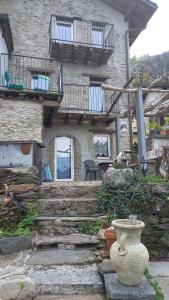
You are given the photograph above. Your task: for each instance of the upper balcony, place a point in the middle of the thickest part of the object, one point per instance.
(77, 40)
(31, 77)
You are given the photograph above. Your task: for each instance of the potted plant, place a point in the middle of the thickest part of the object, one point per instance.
(110, 238)
(154, 128)
(165, 128)
(110, 235)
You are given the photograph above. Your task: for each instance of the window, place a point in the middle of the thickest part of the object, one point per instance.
(96, 95)
(101, 145)
(97, 34)
(40, 82)
(64, 31)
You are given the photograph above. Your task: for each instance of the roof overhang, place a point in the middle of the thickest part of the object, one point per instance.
(136, 12)
(6, 31)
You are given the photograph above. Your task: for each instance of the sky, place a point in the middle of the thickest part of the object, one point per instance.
(155, 38)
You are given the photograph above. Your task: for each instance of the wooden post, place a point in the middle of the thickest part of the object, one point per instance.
(117, 126)
(140, 125)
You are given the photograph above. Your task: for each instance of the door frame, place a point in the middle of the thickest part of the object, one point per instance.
(72, 159)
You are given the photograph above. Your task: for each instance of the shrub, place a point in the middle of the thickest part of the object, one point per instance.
(134, 199)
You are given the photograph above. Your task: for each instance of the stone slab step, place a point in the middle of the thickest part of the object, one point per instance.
(63, 225)
(71, 239)
(67, 280)
(72, 297)
(74, 189)
(68, 206)
(51, 257)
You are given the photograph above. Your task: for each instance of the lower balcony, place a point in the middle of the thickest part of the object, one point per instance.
(83, 103)
(31, 77)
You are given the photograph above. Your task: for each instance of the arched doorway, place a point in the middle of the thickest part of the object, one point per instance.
(64, 159)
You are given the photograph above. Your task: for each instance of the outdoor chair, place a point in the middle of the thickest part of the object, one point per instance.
(11, 82)
(91, 169)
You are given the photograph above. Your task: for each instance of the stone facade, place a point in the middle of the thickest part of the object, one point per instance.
(20, 120)
(29, 22)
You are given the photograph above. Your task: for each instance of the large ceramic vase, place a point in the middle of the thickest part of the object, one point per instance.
(129, 256)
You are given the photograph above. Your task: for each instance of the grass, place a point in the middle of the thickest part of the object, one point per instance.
(155, 285)
(155, 179)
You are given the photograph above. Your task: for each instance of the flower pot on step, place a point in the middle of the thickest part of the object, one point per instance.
(110, 238)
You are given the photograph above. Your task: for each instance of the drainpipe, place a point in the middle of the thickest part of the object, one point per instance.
(128, 76)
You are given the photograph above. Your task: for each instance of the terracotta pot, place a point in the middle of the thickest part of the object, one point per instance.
(110, 236)
(25, 148)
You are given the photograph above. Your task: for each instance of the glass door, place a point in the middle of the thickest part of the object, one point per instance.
(64, 159)
(96, 98)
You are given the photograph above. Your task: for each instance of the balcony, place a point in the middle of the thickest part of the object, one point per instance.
(76, 40)
(85, 103)
(31, 77)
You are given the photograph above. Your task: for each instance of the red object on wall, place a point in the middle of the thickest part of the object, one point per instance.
(25, 148)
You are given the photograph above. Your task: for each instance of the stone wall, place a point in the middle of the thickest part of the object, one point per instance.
(156, 232)
(20, 120)
(24, 183)
(29, 20)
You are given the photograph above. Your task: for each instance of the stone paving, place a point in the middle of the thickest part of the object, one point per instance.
(15, 263)
(160, 272)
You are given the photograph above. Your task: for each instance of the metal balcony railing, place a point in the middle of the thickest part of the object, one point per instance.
(85, 98)
(30, 74)
(66, 30)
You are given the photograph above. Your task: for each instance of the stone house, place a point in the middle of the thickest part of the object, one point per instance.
(54, 57)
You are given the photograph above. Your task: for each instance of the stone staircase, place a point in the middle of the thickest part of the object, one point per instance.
(64, 206)
(64, 265)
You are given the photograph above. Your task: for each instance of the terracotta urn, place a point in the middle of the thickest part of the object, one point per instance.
(110, 238)
(129, 256)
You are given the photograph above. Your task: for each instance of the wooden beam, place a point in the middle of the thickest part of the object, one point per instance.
(72, 56)
(119, 95)
(89, 52)
(124, 90)
(49, 103)
(93, 122)
(80, 120)
(58, 51)
(110, 121)
(128, 13)
(67, 118)
(48, 122)
(101, 58)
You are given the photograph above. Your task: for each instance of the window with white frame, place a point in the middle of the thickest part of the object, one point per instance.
(40, 82)
(64, 30)
(101, 145)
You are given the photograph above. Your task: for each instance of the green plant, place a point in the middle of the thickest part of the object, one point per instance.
(153, 125)
(93, 228)
(155, 179)
(23, 228)
(135, 198)
(155, 285)
(118, 166)
(22, 285)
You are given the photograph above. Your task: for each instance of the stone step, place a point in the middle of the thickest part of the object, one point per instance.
(68, 206)
(74, 189)
(72, 297)
(63, 225)
(59, 257)
(78, 240)
(67, 280)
